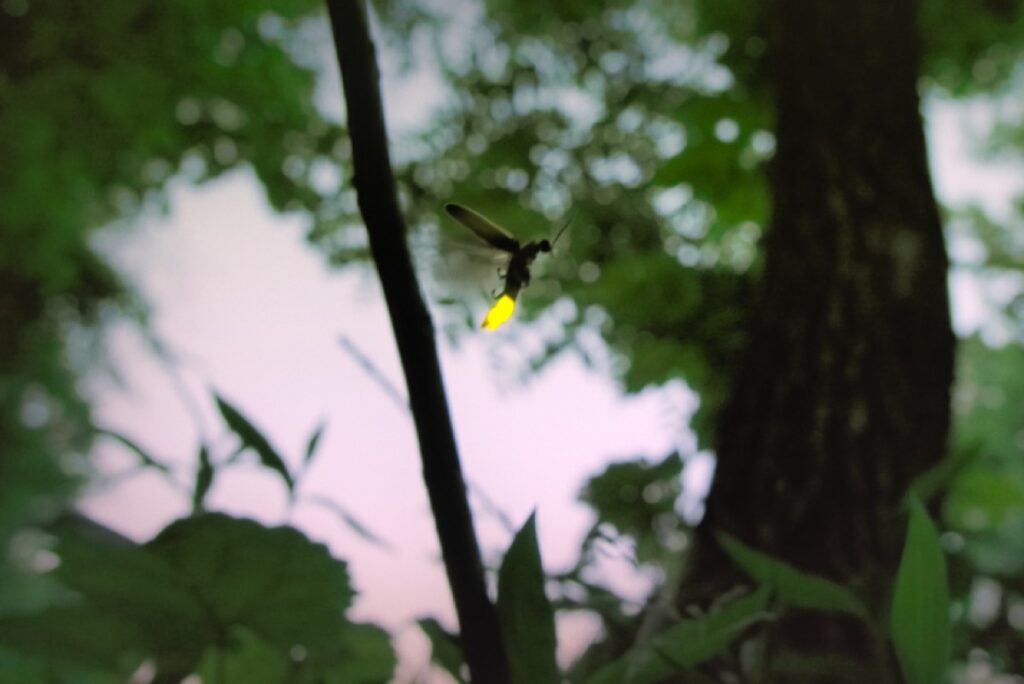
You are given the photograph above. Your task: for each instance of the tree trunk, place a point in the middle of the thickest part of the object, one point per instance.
(843, 393)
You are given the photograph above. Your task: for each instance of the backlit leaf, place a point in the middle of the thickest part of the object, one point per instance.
(920, 603)
(527, 620)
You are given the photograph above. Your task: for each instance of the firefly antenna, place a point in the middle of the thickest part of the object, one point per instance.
(563, 228)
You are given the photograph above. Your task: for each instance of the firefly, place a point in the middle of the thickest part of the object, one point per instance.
(517, 271)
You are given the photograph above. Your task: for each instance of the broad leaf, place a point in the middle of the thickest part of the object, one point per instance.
(527, 620)
(245, 659)
(204, 577)
(365, 657)
(792, 586)
(920, 604)
(117, 577)
(273, 581)
(75, 635)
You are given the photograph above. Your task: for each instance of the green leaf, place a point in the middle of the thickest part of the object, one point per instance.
(245, 660)
(363, 656)
(638, 498)
(313, 443)
(527, 620)
(920, 604)
(792, 586)
(349, 520)
(135, 448)
(1000, 552)
(445, 649)
(366, 657)
(937, 479)
(77, 635)
(206, 576)
(253, 439)
(204, 479)
(273, 581)
(113, 572)
(115, 576)
(685, 644)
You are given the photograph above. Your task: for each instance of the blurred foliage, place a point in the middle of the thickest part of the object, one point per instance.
(211, 594)
(445, 648)
(791, 586)
(648, 121)
(101, 105)
(686, 645)
(984, 507)
(228, 599)
(635, 524)
(527, 620)
(919, 617)
(637, 499)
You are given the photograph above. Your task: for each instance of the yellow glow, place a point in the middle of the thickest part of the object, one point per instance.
(499, 313)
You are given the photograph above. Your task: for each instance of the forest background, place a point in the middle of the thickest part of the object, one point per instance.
(656, 127)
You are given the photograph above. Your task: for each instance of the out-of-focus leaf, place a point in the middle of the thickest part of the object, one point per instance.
(989, 402)
(313, 443)
(999, 553)
(986, 497)
(722, 171)
(133, 446)
(116, 576)
(686, 644)
(205, 576)
(638, 498)
(111, 571)
(349, 520)
(365, 657)
(204, 479)
(920, 620)
(273, 581)
(937, 479)
(962, 35)
(790, 585)
(446, 651)
(254, 439)
(245, 659)
(527, 620)
(79, 635)
(664, 325)
(23, 669)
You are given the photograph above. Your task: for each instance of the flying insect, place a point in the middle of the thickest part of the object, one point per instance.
(517, 271)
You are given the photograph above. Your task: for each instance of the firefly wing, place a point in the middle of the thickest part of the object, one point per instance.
(491, 232)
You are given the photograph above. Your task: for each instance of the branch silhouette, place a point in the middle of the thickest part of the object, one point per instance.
(374, 183)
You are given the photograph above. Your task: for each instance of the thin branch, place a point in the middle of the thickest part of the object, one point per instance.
(414, 333)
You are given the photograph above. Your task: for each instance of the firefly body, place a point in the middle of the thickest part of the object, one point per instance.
(517, 272)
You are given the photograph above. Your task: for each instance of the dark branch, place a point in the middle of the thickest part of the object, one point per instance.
(414, 333)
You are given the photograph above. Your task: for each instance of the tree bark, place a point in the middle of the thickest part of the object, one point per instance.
(843, 393)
